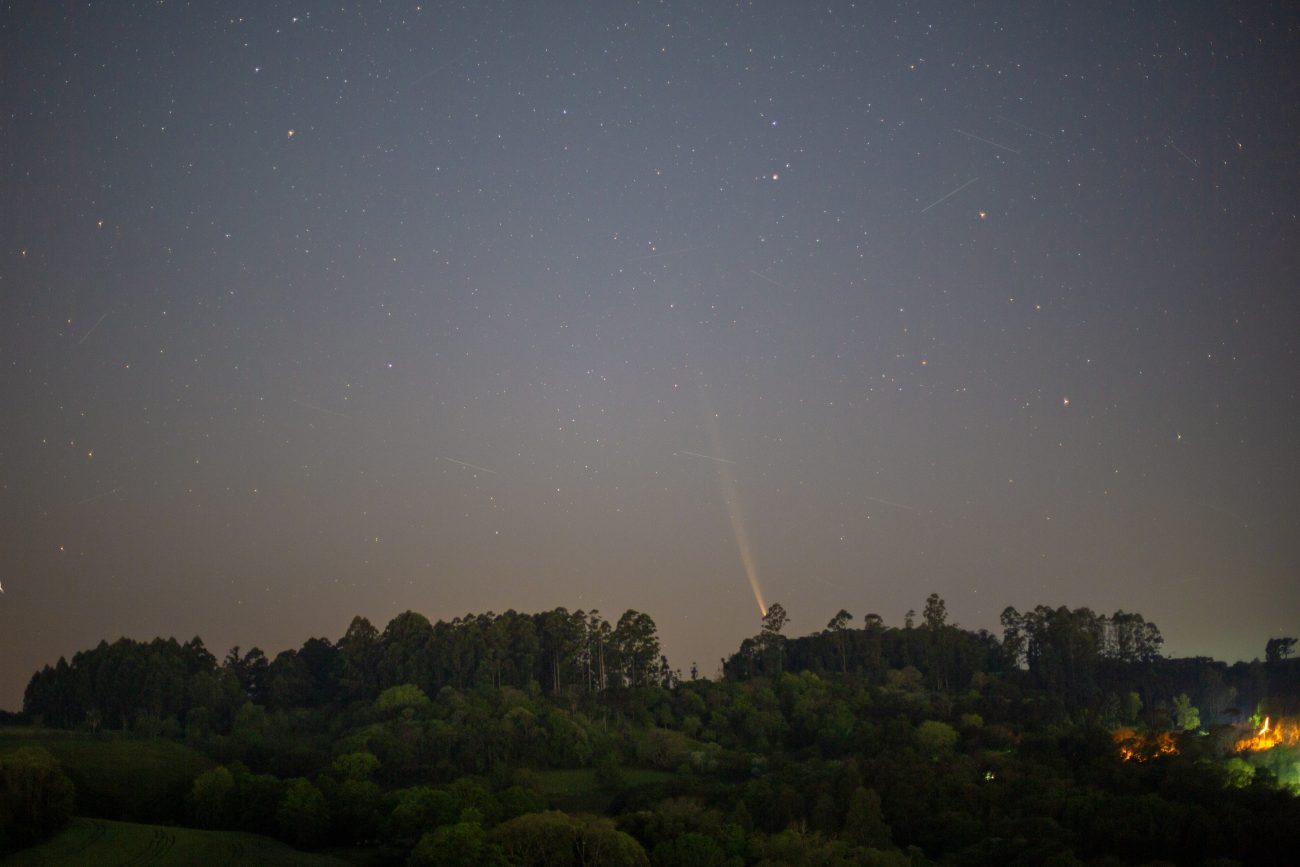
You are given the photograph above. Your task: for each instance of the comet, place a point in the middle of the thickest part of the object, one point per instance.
(732, 501)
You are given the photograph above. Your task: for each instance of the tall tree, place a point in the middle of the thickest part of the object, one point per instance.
(288, 682)
(1278, 649)
(321, 659)
(599, 635)
(404, 651)
(936, 612)
(1013, 637)
(250, 670)
(771, 639)
(359, 651)
(637, 640)
(560, 641)
(940, 640)
(838, 625)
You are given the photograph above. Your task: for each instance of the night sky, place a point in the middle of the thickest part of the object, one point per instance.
(310, 310)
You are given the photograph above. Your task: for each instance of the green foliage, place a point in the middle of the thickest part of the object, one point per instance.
(113, 684)
(354, 807)
(288, 681)
(516, 801)
(419, 809)
(397, 698)
(935, 739)
(792, 847)
(690, 850)
(355, 766)
(636, 643)
(554, 838)
(36, 797)
(302, 815)
(117, 776)
(936, 612)
(598, 842)
(1238, 772)
(840, 747)
(1186, 717)
(537, 839)
(1132, 707)
(579, 790)
(664, 749)
(865, 823)
(609, 772)
(461, 845)
(212, 797)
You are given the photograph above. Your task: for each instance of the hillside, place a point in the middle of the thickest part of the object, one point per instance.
(95, 842)
(539, 739)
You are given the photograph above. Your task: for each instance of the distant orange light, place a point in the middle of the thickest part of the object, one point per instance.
(1144, 747)
(1284, 733)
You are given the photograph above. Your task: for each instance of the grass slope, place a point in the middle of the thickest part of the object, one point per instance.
(101, 842)
(118, 777)
(577, 790)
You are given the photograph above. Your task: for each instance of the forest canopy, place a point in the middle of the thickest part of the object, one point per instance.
(533, 738)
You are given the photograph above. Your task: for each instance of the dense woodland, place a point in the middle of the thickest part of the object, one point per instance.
(560, 738)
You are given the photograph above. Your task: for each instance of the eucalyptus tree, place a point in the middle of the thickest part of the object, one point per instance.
(637, 640)
(770, 638)
(838, 625)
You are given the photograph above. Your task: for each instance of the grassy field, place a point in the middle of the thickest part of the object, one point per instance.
(118, 777)
(577, 791)
(101, 842)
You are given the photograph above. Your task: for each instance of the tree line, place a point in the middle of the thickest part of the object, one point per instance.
(853, 745)
(1109, 666)
(162, 685)
(1104, 664)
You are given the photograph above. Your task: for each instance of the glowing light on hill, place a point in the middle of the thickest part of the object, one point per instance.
(1144, 747)
(1284, 733)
